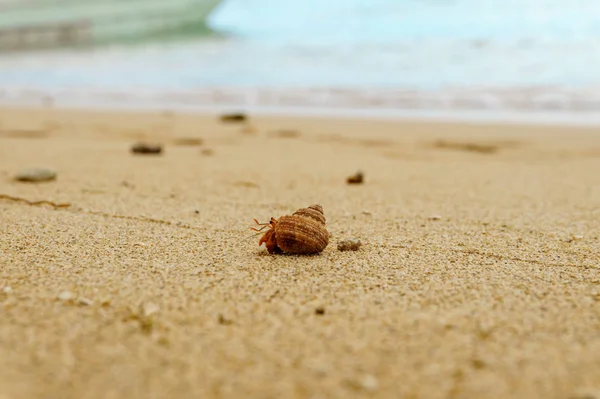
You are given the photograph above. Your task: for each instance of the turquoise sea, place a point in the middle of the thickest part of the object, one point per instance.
(523, 55)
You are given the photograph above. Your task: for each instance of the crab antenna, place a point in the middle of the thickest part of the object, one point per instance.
(253, 235)
(261, 229)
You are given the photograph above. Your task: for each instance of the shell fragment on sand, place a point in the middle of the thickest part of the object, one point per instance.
(35, 175)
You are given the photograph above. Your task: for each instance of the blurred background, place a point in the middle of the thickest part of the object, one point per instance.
(474, 55)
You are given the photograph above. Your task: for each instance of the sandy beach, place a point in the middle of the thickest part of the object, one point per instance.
(478, 277)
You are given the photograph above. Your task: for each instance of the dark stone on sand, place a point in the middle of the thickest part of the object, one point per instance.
(234, 117)
(35, 175)
(357, 178)
(146, 149)
(320, 311)
(224, 321)
(351, 244)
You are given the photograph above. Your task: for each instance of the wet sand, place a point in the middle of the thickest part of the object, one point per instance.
(478, 277)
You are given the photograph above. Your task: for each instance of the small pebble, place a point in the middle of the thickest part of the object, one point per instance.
(84, 302)
(148, 149)
(234, 117)
(105, 302)
(224, 321)
(352, 244)
(320, 311)
(35, 175)
(139, 244)
(66, 296)
(435, 217)
(368, 382)
(150, 308)
(357, 178)
(7, 290)
(574, 238)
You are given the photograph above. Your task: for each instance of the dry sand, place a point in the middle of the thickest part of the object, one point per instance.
(479, 276)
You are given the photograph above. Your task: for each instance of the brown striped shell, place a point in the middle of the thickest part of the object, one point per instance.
(303, 232)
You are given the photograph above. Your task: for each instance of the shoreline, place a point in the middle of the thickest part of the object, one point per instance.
(309, 104)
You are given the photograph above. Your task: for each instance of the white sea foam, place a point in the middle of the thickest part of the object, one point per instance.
(483, 106)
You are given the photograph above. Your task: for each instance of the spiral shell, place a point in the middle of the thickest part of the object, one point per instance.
(303, 232)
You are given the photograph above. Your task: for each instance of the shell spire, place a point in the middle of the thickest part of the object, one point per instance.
(314, 211)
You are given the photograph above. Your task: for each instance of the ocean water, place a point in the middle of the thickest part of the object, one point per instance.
(520, 55)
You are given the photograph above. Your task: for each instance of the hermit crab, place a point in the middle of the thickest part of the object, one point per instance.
(303, 232)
